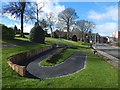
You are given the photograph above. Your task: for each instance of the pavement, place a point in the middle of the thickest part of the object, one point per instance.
(110, 53)
(73, 64)
(111, 50)
(8, 45)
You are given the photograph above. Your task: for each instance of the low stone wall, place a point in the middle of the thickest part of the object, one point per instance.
(13, 61)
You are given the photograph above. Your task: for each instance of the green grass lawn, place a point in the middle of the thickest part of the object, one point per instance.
(97, 74)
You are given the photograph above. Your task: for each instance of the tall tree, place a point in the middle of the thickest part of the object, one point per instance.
(84, 26)
(36, 9)
(17, 9)
(22, 9)
(51, 22)
(68, 16)
(60, 27)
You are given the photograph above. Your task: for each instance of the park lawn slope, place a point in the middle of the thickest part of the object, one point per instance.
(97, 74)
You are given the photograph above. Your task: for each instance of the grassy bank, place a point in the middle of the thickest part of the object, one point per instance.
(97, 74)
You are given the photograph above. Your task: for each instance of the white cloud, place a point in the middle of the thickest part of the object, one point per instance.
(12, 25)
(106, 28)
(110, 13)
(50, 6)
(11, 17)
(28, 27)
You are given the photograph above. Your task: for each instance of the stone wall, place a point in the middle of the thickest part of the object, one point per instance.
(13, 61)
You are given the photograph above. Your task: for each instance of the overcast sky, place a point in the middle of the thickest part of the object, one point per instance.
(103, 14)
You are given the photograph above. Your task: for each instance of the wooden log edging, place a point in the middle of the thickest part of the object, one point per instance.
(13, 61)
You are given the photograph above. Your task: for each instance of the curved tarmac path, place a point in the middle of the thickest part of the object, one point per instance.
(71, 65)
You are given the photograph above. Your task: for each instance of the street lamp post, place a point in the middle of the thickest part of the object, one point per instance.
(95, 39)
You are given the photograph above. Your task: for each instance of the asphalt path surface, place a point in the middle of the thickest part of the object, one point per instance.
(75, 63)
(114, 51)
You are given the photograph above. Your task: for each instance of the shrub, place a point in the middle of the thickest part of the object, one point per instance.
(74, 38)
(7, 33)
(37, 34)
(56, 34)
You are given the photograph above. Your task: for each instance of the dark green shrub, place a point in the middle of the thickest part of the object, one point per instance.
(56, 34)
(74, 38)
(7, 33)
(37, 34)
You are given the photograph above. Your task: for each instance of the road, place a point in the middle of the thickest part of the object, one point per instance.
(114, 51)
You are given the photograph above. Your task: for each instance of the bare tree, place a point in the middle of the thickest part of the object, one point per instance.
(36, 9)
(18, 9)
(60, 27)
(51, 22)
(84, 26)
(68, 16)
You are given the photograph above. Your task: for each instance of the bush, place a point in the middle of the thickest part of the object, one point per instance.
(74, 38)
(7, 33)
(37, 34)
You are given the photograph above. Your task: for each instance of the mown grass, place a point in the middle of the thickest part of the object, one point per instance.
(97, 74)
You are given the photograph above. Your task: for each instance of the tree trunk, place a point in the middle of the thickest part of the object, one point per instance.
(67, 31)
(22, 12)
(21, 32)
(60, 34)
(82, 36)
(51, 31)
(37, 12)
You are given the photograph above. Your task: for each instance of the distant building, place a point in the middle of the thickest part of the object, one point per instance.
(103, 39)
(116, 36)
(95, 37)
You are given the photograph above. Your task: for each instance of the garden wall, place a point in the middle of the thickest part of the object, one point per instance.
(13, 61)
